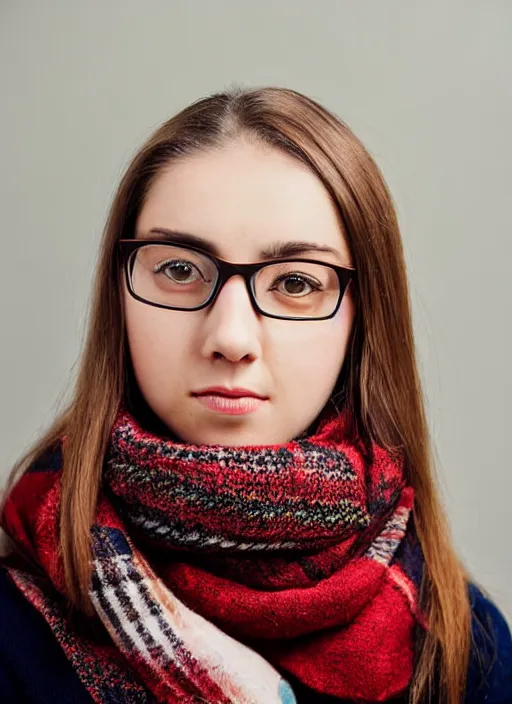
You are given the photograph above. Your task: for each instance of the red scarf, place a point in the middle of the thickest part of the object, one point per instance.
(218, 570)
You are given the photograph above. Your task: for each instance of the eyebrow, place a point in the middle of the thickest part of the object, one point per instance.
(275, 251)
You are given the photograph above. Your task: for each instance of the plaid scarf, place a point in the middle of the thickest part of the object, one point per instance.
(219, 570)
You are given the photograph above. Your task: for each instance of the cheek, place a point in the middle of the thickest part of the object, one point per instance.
(311, 354)
(307, 375)
(156, 342)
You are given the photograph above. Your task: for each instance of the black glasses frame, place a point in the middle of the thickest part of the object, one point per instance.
(225, 271)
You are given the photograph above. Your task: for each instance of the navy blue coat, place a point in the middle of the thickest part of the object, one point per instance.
(34, 669)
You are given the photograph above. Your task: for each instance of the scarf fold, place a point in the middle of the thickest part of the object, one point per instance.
(219, 570)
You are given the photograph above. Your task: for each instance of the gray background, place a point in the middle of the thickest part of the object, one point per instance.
(426, 85)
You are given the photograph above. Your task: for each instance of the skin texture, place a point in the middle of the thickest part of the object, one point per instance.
(242, 198)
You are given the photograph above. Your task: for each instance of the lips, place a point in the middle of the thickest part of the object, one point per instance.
(229, 405)
(229, 393)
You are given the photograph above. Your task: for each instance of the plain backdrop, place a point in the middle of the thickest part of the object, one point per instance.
(428, 88)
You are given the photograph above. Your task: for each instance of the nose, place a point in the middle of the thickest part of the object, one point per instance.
(231, 327)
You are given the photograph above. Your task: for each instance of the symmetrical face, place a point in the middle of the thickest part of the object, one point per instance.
(241, 199)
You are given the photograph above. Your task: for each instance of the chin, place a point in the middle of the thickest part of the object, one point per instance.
(234, 437)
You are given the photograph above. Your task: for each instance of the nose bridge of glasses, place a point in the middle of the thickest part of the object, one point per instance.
(227, 270)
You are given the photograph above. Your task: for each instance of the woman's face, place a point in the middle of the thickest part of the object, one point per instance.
(241, 199)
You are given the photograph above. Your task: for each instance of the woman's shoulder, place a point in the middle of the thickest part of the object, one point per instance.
(490, 669)
(33, 666)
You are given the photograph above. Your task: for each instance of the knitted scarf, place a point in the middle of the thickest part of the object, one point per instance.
(220, 571)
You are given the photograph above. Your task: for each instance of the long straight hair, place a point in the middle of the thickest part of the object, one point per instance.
(379, 381)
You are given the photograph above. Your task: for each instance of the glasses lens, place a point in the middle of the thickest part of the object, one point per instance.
(297, 289)
(172, 276)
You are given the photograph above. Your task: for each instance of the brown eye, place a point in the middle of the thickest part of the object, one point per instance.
(178, 271)
(294, 285)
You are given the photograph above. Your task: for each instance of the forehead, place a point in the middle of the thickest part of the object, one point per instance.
(243, 198)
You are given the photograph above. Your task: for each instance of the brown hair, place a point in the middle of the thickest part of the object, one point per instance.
(379, 381)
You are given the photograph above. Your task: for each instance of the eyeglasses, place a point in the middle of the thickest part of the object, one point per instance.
(182, 277)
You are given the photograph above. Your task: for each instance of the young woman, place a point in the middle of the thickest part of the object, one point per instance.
(238, 504)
